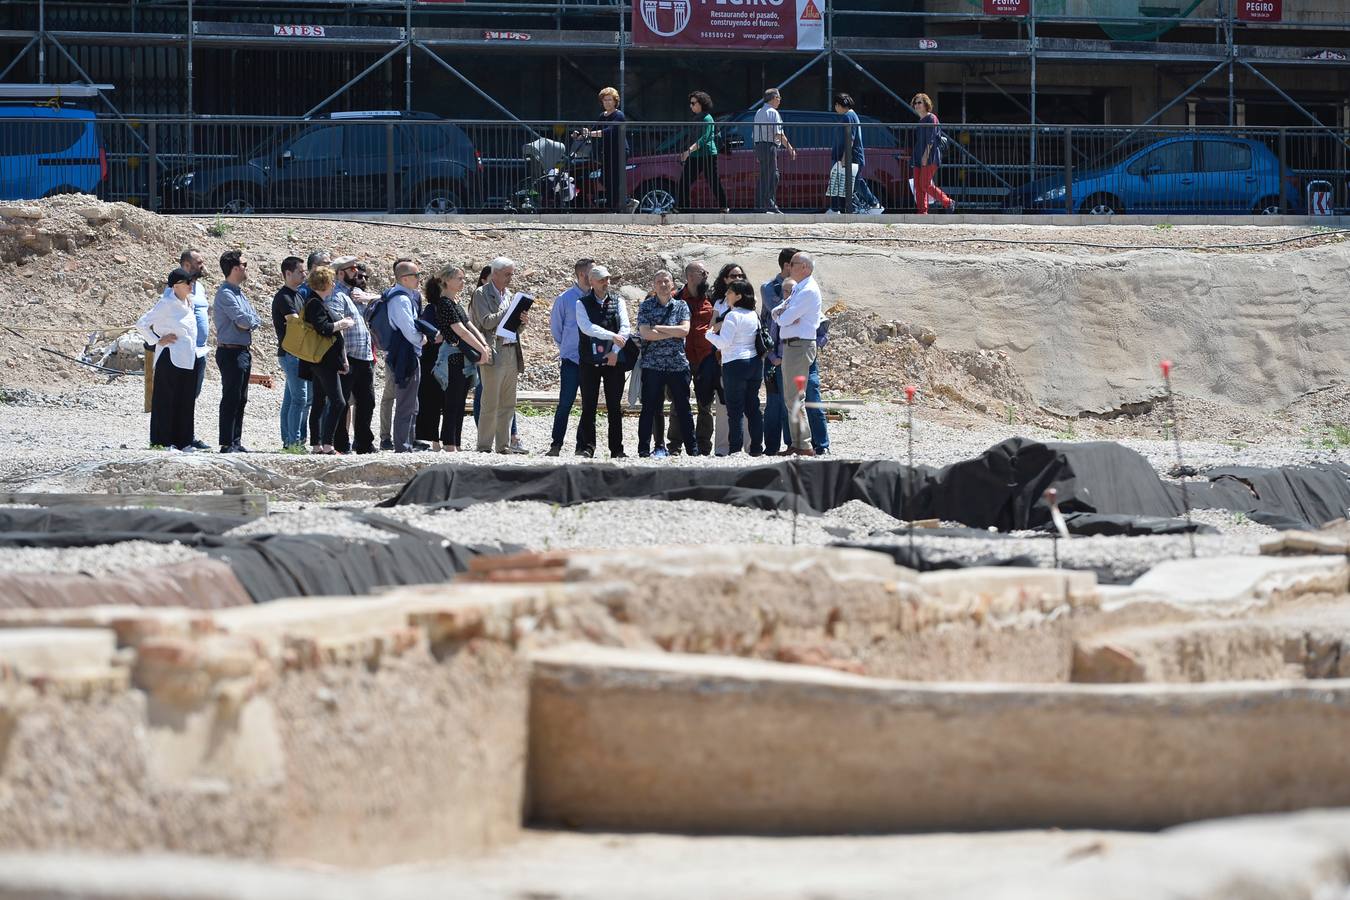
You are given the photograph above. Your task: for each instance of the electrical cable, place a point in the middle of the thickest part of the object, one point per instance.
(750, 235)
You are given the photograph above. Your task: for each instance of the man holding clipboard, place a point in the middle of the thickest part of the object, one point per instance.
(500, 316)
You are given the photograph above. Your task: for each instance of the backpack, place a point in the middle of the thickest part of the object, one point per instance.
(377, 319)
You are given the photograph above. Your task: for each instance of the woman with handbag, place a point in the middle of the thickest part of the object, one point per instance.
(460, 341)
(326, 318)
(171, 328)
(736, 338)
(927, 156)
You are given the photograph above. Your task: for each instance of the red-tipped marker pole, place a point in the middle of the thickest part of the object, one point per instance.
(1166, 366)
(1051, 496)
(910, 391)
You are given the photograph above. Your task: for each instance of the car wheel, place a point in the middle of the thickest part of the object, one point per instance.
(235, 200)
(440, 201)
(1102, 205)
(656, 198)
(1267, 206)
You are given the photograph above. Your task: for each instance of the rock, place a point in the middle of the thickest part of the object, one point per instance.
(31, 213)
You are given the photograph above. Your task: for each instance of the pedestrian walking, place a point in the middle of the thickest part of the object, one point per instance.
(769, 135)
(170, 326)
(295, 398)
(798, 319)
(927, 156)
(603, 330)
(700, 158)
(562, 324)
(735, 334)
(499, 372)
(236, 320)
(663, 325)
(843, 172)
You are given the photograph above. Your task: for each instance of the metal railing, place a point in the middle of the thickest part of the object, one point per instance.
(428, 165)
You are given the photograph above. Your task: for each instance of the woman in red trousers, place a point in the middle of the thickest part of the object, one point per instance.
(927, 156)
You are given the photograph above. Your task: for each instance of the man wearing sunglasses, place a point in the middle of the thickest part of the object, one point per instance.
(236, 320)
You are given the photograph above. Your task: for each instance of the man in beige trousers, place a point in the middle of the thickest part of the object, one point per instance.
(501, 373)
(798, 318)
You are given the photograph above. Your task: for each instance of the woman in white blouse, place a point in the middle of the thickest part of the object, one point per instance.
(742, 367)
(171, 326)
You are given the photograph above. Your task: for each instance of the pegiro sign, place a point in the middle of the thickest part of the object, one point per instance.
(1007, 7)
(1260, 10)
(756, 24)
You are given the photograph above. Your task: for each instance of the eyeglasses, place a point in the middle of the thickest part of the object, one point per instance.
(411, 275)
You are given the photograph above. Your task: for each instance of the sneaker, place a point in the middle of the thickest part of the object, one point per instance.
(555, 450)
(874, 211)
(660, 453)
(240, 448)
(186, 448)
(421, 445)
(227, 449)
(951, 207)
(833, 212)
(386, 444)
(517, 449)
(199, 444)
(516, 445)
(587, 454)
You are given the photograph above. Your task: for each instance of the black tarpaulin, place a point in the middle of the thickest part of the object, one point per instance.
(97, 520)
(1002, 488)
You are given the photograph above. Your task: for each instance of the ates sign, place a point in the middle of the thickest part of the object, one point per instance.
(309, 31)
(1007, 7)
(1260, 10)
(753, 24)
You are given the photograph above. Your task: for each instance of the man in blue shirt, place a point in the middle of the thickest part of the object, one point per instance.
(663, 323)
(562, 322)
(844, 171)
(193, 262)
(236, 320)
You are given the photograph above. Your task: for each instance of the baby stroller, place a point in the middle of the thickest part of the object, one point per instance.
(549, 183)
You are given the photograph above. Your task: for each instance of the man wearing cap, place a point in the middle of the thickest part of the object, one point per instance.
(236, 320)
(410, 334)
(602, 323)
(192, 262)
(501, 373)
(171, 328)
(562, 323)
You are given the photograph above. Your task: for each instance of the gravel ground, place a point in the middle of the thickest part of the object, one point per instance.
(313, 520)
(130, 556)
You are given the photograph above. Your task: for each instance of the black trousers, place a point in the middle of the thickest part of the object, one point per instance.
(612, 172)
(612, 377)
(456, 397)
(328, 385)
(695, 166)
(235, 366)
(173, 404)
(707, 387)
(430, 398)
(358, 394)
(200, 370)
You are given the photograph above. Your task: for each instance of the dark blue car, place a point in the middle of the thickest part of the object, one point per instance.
(1187, 174)
(46, 150)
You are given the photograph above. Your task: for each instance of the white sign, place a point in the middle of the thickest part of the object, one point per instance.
(297, 31)
(927, 44)
(810, 25)
(505, 36)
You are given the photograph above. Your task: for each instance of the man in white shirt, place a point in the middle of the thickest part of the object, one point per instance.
(768, 135)
(798, 317)
(602, 320)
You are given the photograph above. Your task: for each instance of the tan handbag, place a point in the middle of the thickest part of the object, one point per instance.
(303, 342)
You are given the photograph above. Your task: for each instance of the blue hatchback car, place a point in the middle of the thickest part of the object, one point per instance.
(1188, 174)
(47, 150)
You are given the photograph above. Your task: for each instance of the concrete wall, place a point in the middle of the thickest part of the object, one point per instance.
(622, 740)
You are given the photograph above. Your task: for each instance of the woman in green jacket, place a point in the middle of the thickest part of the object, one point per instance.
(700, 158)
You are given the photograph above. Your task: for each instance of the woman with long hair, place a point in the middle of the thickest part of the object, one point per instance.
(700, 157)
(729, 273)
(742, 368)
(456, 332)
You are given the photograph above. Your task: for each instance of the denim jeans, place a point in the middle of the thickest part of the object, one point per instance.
(820, 434)
(567, 396)
(776, 433)
(741, 381)
(295, 403)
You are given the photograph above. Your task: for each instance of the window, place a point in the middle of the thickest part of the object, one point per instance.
(366, 140)
(1169, 159)
(321, 143)
(38, 138)
(1225, 156)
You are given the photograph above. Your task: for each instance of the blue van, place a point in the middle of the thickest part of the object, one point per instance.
(46, 150)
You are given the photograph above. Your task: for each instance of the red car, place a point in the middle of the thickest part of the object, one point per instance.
(654, 176)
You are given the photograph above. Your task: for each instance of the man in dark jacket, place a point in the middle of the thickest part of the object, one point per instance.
(296, 398)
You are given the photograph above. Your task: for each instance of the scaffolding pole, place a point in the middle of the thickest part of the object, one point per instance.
(346, 87)
(15, 61)
(407, 58)
(1294, 103)
(475, 88)
(42, 41)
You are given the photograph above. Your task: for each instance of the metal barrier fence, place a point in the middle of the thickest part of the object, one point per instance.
(403, 164)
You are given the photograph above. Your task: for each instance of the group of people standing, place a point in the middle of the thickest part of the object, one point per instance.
(700, 158)
(706, 348)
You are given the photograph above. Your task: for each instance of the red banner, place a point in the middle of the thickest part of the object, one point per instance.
(1260, 10)
(1007, 7)
(767, 25)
